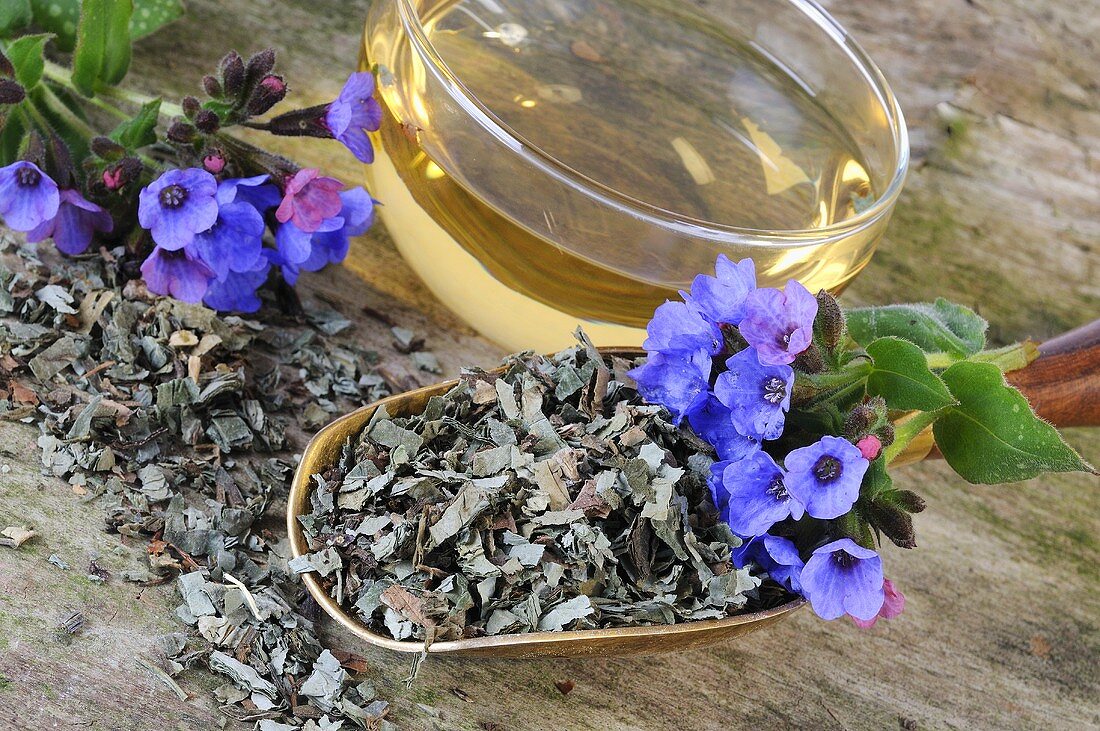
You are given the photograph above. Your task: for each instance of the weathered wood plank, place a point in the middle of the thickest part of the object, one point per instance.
(1002, 211)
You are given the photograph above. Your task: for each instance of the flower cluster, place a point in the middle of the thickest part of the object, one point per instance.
(221, 219)
(725, 360)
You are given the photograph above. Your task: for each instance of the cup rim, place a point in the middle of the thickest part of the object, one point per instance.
(662, 217)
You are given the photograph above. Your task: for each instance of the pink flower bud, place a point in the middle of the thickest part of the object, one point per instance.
(273, 84)
(869, 446)
(214, 163)
(112, 178)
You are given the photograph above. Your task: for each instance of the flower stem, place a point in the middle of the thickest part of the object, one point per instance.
(62, 76)
(906, 430)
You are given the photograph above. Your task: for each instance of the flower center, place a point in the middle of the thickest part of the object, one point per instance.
(827, 469)
(27, 177)
(777, 489)
(173, 196)
(784, 339)
(774, 390)
(844, 559)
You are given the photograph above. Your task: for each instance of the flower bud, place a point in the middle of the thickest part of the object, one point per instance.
(121, 174)
(885, 434)
(829, 327)
(269, 92)
(232, 69)
(191, 106)
(207, 121)
(859, 422)
(213, 162)
(212, 86)
(910, 501)
(870, 447)
(6, 69)
(809, 360)
(260, 64)
(894, 522)
(11, 92)
(107, 148)
(181, 132)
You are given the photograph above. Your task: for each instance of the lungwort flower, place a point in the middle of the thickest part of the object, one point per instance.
(74, 225)
(779, 325)
(843, 577)
(825, 476)
(756, 495)
(775, 555)
(302, 251)
(758, 396)
(712, 421)
(28, 197)
(309, 199)
(677, 327)
(177, 206)
(677, 381)
(177, 272)
(354, 113)
(235, 241)
(721, 298)
(892, 605)
(238, 291)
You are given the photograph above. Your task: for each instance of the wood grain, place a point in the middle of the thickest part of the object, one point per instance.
(1002, 627)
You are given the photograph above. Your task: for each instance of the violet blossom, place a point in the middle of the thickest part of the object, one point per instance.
(712, 421)
(309, 199)
(757, 395)
(677, 327)
(235, 241)
(825, 476)
(180, 273)
(28, 197)
(843, 577)
(721, 298)
(677, 381)
(74, 225)
(757, 497)
(238, 291)
(177, 206)
(779, 325)
(353, 113)
(775, 555)
(893, 604)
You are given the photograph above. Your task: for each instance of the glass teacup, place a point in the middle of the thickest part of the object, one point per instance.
(549, 163)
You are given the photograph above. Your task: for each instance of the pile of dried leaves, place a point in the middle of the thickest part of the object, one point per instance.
(544, 498)
(178, 422)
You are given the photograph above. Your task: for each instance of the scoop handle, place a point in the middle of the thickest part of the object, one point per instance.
(1063, 383)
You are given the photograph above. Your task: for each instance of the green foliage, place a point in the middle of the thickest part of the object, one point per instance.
(103, 44)
(150, 15)
(14, 15)
(992, 435)
(11, 135)
(940, 327)
(59, 17)
(25, 54)
(902, 377)
(139, 131)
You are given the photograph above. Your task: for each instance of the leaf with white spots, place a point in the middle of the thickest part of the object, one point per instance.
(992, 435)
(59, 17)
(150, 15)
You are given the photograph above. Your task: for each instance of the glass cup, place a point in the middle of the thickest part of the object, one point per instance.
(544, 164)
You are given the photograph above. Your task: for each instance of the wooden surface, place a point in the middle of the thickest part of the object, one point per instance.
(1002, 628)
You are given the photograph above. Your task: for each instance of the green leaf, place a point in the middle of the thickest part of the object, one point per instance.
(139, 131)
(25, 54)
(940, 327)
(992, 435)
(901, 376)
(59, 17)
(11, 135)
(150, 15)
(102, 44)
(14, 15)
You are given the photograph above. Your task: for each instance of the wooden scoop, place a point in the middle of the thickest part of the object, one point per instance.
(1063, 384)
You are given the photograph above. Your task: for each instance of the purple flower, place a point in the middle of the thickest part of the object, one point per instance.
(179, 272)
(825, 476)
(756, 395)
(776, 556)
(757, 497)
(843, 577)
(329, 244)
(721, 298)
(676, 381)
(235, 241)
(178, 205)
(711, 420)
(677, 327)
(892, 606)
(354, 113)
(75, 224)
(237, 291)
(309, 199)
(256, 191)
(780, 325)
(28, 197)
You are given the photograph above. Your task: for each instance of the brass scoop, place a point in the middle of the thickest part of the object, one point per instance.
(1062, 384)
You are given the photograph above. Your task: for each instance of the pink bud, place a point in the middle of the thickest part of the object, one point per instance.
(214, 163)
(273, 84)
(870, 447)
(112, 178)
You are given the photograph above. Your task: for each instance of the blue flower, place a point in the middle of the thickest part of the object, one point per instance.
(757, 497)
(843, 577)
(237, 291)
(299, 250)
(75, 224)
(677, 381)
(825, 476)
(178, 205)
(757, 395)
(713, 423)
(677, 327)
(721, 298)
(28, 197)
(776, 556)
(257, 191)
(354, 113)
(779, 325)
(178, 272)
(235, 242)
